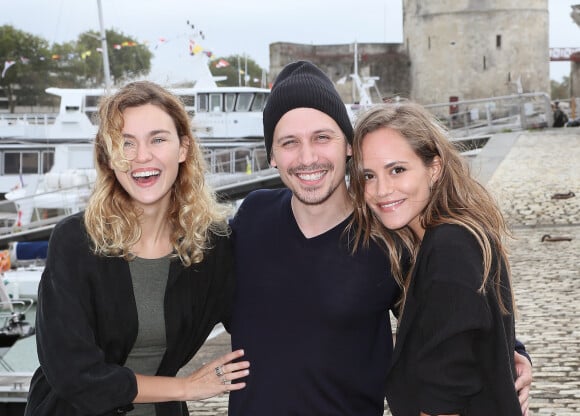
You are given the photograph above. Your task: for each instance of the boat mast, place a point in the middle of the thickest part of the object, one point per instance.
(105, 49)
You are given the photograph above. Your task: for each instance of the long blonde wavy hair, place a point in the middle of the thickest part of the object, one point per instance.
(112, 221)
(456, 197)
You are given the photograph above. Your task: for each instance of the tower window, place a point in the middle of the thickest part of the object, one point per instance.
(429, 42)
(484, 64)
(498, 41)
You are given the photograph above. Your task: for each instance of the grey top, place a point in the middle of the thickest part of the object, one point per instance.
(149, 278)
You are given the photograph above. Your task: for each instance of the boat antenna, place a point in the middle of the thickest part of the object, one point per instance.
(105, 49)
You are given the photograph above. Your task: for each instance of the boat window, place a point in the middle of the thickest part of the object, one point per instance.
(93, 117)
(188, 100)
(20, 162)
(230, 101)
(47, 161)
(244, 101)
(92, 100)
(189, 103)
(258, 104)
(215, 102)
(202, 102)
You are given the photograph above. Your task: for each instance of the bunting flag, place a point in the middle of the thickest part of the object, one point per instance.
(222, 63)
(160, 41)
(194, 49)
(197, 49)
(7, 64)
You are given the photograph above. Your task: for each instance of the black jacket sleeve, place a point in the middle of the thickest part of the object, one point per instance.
(70, 358)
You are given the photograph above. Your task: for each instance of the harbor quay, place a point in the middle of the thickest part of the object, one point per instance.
(533, 175)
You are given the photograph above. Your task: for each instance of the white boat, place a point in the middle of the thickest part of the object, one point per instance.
(13, 324)
(22, 282)
(223, 113)
(35, 144)
(21, 266)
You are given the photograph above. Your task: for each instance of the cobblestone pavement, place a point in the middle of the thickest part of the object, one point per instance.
(546, 275)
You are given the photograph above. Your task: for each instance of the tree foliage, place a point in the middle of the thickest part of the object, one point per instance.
(75, 64)
(237, 65)
(22, 80)
(560, 90)
(127, 58)
(37, 65)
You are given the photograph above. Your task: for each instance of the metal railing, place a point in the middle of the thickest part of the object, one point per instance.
(496, 114)
(233, 170)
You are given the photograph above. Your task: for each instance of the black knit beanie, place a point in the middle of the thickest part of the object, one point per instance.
(302, 84)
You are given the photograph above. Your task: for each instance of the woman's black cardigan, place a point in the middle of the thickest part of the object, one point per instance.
(87, 324)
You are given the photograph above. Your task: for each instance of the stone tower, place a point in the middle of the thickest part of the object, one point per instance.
(476, 48)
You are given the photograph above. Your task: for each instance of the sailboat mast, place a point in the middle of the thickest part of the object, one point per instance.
(105, 49)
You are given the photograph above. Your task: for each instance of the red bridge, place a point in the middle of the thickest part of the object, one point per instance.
(565, 54)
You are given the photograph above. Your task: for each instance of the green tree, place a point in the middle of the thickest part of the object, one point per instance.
(560, 90)
(84, 68)
(76, 64)
(254, 75)
(24, 81)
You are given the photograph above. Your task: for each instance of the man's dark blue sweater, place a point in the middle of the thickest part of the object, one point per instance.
(312, 318)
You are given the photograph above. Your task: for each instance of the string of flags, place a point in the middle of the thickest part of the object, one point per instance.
(194, 49)
(57, 57)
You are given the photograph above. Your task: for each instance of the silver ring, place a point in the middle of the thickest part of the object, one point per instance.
(219, 371)
(225, 381)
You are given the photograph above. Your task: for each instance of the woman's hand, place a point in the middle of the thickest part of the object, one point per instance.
(216, 377)
(210, 380)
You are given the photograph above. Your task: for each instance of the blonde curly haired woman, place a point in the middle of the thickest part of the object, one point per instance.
(133, 287)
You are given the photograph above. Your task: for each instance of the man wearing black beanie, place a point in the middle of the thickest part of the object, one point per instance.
(312, 318)
(301, 84)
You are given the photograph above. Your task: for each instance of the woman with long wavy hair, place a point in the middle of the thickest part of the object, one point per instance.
(454, 351)
(134, 285)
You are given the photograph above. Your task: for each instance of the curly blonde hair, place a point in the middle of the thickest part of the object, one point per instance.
(112, 221)
(456, 197)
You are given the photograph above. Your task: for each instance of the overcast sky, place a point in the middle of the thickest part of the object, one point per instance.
(238, 26)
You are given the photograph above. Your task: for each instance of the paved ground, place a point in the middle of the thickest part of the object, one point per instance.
(524, 170)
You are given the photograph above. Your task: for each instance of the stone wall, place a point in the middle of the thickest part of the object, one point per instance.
(387, 61)
(476, 48)
(467, 49)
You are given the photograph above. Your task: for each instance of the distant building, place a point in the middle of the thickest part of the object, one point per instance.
(453, 49)
(389, 62)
